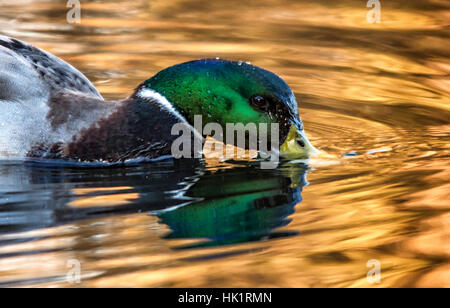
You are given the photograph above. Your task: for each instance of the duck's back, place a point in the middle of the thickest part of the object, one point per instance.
(33, 85)
(19, 59)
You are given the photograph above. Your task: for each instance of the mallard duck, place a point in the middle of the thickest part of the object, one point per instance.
(51, 110)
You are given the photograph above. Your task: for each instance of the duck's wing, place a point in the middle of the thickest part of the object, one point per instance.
(43, 100)
(20, 61)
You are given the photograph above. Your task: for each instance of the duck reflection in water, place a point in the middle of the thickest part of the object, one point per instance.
(222, 206)
(237, 205)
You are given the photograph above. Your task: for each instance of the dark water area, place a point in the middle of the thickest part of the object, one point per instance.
(373, 97)
(232, 205)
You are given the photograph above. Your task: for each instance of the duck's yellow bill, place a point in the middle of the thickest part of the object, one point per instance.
(297, 145)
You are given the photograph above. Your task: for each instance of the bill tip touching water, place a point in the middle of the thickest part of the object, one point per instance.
(61, 115)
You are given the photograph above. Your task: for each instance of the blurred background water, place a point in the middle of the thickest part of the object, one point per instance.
(373, 96)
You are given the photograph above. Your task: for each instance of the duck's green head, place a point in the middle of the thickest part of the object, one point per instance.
(233, 92)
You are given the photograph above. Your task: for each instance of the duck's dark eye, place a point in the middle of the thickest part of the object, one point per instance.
(301, 143)
(259, 102)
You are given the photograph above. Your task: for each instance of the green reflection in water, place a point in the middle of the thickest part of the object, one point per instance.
(237, 205)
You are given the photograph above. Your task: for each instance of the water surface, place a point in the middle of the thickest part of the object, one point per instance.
(375, 97)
